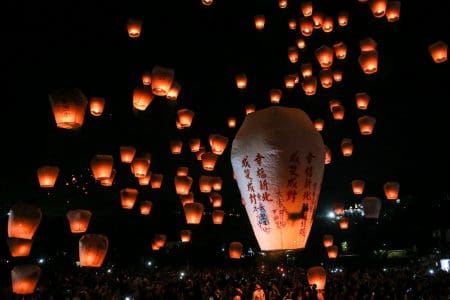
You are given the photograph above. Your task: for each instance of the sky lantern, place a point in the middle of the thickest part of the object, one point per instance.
(96, 106)
(146, 78)
(185, 117)
(347, 147)
(301, 44)
(142, 97)
(327, 240)
(182, 171)
(19, 247)
(69, 107)
(146, 179)
(292, 24)
(174, 91)
(200, 152)
(205, 183)
(282, 3)
(307, 8)
(309, 85)
(306, 26)
(128, 197)
(193, 212)
(216, 199)
(154, 245)
(393, 11)
(24, 279)
(260, 21)
(296, 76)
(340, 50)
(327, 25)
(217, 216)
(194, 144)
(231, 122)
(134, 27)
(185, 235)
(160, 240)
(343, 223)
(338, 112)
(362, 100)
(218, 143)
(209, 161)
(189, 198)
(235, 250)
(217, 183)
(343, 18)
(324, 55)
(358, 186)
(109, 181)
(367, 44)
(333, 103)
(127, 154)
(366, 124)
(275, 96)
(156, 180)
(162, 80)
(337, 75)
(140, 166)
(145, 207)
(317, 276)
(378, 8)
(23, 221)
(207, 2)
(289, 81)
(265, 164)
(241, 81)
(332, 252)
(293, 54)
(176, 146)
(368, 61)
(317, 19)
(328, 155)
(306, 69)
(78, 220)
(371, 206)
(319, 124)
(183, 184)
(92, 250)
(391, 190)
(249, 109)
(339, 208)
(438, 51)
(47, 176)
(326, 78)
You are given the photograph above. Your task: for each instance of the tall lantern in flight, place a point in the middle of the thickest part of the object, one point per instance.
(279, 173)
(68, 108)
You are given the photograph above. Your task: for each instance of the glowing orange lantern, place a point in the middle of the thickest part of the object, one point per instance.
(343, 223)
(194, 144)
(327, 155)
(162, 80)
(358, 186)
(307, 8)
(343, 18)
(393, 11)
(185, 236)
(260, 21)
(326, 78)
(209, 161)
(134, 27)
(23, 221)
(200, 152)
(301, 44)
(147, 78)
(282, 3)
(154, 246)
(372, 207)
(378, 8)
(216, 183)
(207, 2)
(185, 117)
(19, 247)
(332, 252)
(391, 190)
(128, 197)
(176, 146)
(174, 91)
(367, 44)
(78, 220)
(339, 208)
(362, 100)
(250, 108)
(337, 75)
(218, 143)
(438, 51)
(292, 24)
(142, 97)
(327, 25)
(217, 216)
(182, 171)
(324, 55)
(340, 50)
(235, 250)
(47, 176)
(193, 212)
(306, 26)
(146, 179)
(140, 166)
(156, 180)
(160, 240)
(366, 124)
(289, 81)
(347, 147)
(338, 112)
(96, 106)
(183, 184)
(68, 108)
(92, 250)
(318, 124)
(205, 183)
(145, 207)
(317, 276)
(127, 154)
(241, 81)
(231, 122)
(333, 103)
(309, 85)
(109, 181)
(368, 61)
(24, 279)
(317, 19)
(306, 70)
(189, 198)
(293, 54)
(215, 199)
(327, 240)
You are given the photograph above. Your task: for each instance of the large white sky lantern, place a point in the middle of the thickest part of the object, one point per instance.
(278, 158)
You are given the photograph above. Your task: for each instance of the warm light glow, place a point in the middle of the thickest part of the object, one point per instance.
(174, 91)
(183, 184)
(309, 85)
(47, 176)
(127, 154)
(307, 70)
(324, 56)
(339, 208)
(282, 3)
(193, 212)
(301, 44)
(241, 81)
(343, 18)
(215, 199)
(347, 147)
(185, 236)
(142, 97)
(328, 155)
(185, 117)
(317, 19)
(156, 180)
(293, 54)
(378, 8)
(209, 161)
(19, 247)
(218, 143)
(145, 180)
(306, 26)
(231, 122)
(182, 171)
(92, 250)
(358, 186)
(134, 27)
(147, 78)
(162, 80)
(23, 221)
(367, 44)
(145, 207)
(438, 51)
(189, 198)
(205, 184)
(160, 240)
(362, 100)
(317, 276)
(217, 183)
(140, 166)
(128, 197)
(194, 144)
(326, 78)
(366, 124)
(289, 81)
(24, 279)
(68, 108)
(260, 21)
(332, 252)
(275, 96)
(200, 152)
(369, 61)
(391, 190)
(292, 24)
(250, 108)
(109, 181)
(343, 223)
(217, 217)
(96, 106)
(337, 75)
(235, 250)
(338, 112)
(340, 50)
(393, 11)
(176, 146)
(318, 124)
(307, 8)
(327, 25)
(207, 2)
(78, 220)
(327, 240)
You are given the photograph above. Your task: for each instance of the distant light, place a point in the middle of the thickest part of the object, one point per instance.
(181, 274)
(127, 298)
(9, 213)
(331, 215)
(149, 263)
(445, 265)
(223, 249)
(397, 201)
(384, 270)
(109, 271)
(41, 261)
(431, 271)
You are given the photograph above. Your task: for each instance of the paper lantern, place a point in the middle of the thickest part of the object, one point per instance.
(289, 81)
(156, 180)
(328, 155)
(182, 171)
(279, 180)
(372, 207)
(109, 181)
(358, 186)
(92, 250)
(326, 78)
(19, 247)
(367, 44)
(185, 117)
(47, 176)
(337, 75)
(301, 44)
(391, 190)
(24, 279)
(207, 2)
(189, 198)
(338, 112)
(343, 223)
(292, 24)
(293, 54)
(368, 61)
(127, 154)
(134, 27)
(231, 122)
(185, 236)
(309, 85)
(378, 8)
(250, 108)
(328, 24)
(393, 11)
(160, 240)
(215, 199)
(332, 252)
(217, 217)
(193, 212)
(96, 106)
(162, 80)
(154, 246)
(147, 78)
(140, 166)
(145, 207)
(128, 197)
(296, 76)
(183, 184)
(260, 21)
(438, 51)
(209, 161)
(327, 240)
(340, 50)
(174, 91)
(282, 3)
(307, 8)
(317, 19)
(339, 208)
(334, 103)
(142, 97)
(324, 56)
(318, 124)
(205, 184)
(235, 250)
(23, 221)
(343, 18)
(347, 147)
(317, 276)
(200, 152)
(362, 100)
(306, 70)
(145, 180)
(194, 144)
(78, 220)
(218, 143)
(306, 26)
(366, 124)
(216, 183)
(69, 107)
(241, 81)
(176, 146)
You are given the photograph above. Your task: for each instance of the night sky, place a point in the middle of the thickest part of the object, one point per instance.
(85, 45)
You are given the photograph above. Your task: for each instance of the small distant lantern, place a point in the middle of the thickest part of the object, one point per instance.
(78, 220)
(147, 78)
(340, 50)
(217, 216)
(162, 80)
(24, 279)
(193, 212)
(127, 154)
(358, 186)
(328, 155)
(339, 208)
(307, 70)
(327, 25)
(207, 2)
(306, 26)
(343, 223)
(194, 144)
(23, 221)
(68, 108)
(324, 55)
(142, 97)
(217, 183)
(92, 250)
(182, 171)
(301, 44)
(317, 276)
(309, 85)
(189, 198)
(282, 3)
(134, 27)
(145, 180)
(96, 106)
(332, 252)
(327, 240)
(362, 100)
(260, 21)
(154, 245)
(292, 54)
(338, 112)
(307, 8)
(250, 108)
(347, 147)
(343, 18)
(47, 176)
(19, 247)
(317, 19)
(185, 235)
(200, 152)
(337, 75)
(391, 190)
(289, 81)
(369, 61)
(156, 180)
(109, 181)
(160, 240)
(378, 8)
(218, 143)
(128, 197)
(174, 91)
(319, 124)
(183, 184)
(275, 96)
(438, 51)
(367, 44)
(176, 146)
(205, 184)
(140, 166)
(185, 117)
(215, 199)
(145, 207)
(333, 103)
(326, 78)
(393, 11)
(241, 81)
(366, 124)
(231, 122)
(235, 250)
(209, 161)
(292, 24)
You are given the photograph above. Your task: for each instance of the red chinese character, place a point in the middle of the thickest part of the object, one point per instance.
(307, 196)
(252, 198)
(266, 197)
(250, 187)
(247, 174)
(260, 173)
(263, 185)
(245, 163)
(258, 159)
